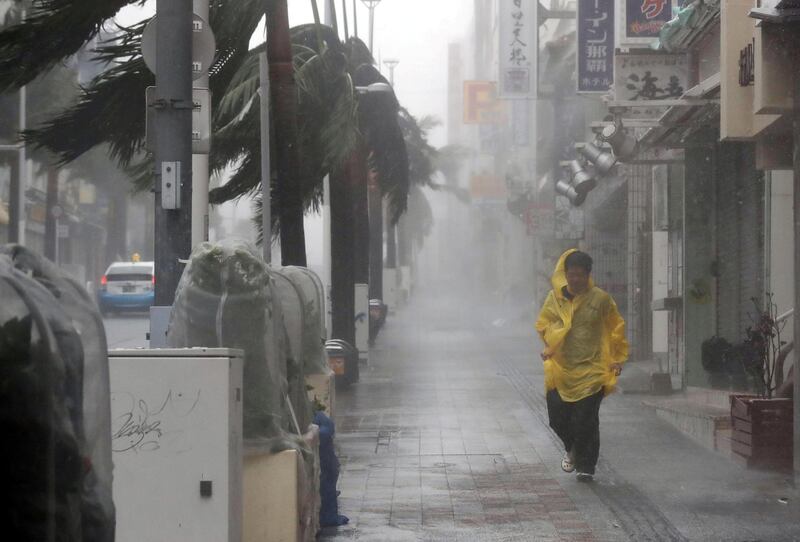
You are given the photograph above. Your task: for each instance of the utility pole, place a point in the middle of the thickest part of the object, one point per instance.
(173, 155)
(200, 161)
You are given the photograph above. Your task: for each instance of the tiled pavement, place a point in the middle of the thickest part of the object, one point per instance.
(445, 438)
(432, 448)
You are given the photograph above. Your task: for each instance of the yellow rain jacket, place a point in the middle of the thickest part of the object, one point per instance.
(582, 337)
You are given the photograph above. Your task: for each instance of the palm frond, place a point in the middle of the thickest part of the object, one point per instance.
(112, 110)
(106, 112)
(421, 155)
(53, 31)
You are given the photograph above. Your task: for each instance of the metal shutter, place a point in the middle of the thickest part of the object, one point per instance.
(739, 239)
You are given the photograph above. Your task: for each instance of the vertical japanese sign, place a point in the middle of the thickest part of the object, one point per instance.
(644, 18)
(518, 48)
(595, 45)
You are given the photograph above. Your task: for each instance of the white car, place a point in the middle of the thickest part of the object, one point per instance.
(127, 286)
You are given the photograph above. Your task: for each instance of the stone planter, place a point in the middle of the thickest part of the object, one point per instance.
(762, 432)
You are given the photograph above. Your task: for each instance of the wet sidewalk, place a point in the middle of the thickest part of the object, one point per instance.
(445, 437)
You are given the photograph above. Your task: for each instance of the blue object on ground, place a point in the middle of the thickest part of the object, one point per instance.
(329, 474)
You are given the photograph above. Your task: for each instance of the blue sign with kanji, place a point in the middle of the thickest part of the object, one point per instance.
(644, 18)
(595, 45)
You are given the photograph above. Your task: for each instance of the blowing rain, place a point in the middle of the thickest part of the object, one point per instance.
(394, 270)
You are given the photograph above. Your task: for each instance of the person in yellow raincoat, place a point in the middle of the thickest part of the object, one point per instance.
(584, 349)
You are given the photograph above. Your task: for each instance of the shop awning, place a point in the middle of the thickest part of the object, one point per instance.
(786, 11)
(681, 121)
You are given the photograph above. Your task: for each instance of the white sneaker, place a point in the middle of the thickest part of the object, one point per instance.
(567, 464)
(584, 477)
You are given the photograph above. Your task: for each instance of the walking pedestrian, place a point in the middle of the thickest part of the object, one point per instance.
(584, 349)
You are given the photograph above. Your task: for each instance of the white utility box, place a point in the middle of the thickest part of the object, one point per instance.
(177, 444)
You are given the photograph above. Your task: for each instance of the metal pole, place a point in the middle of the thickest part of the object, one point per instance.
(16, 230)
(266, 168)
(796, 196)
(200, 161)
(371, 24)
(391, 229)
(327, 251)
(173, 156)
(355, 19)
(344, 18)
(16, 219)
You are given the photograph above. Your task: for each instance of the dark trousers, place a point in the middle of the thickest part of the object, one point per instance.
(578, 426)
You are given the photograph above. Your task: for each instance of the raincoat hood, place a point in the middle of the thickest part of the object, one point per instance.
(559, 278)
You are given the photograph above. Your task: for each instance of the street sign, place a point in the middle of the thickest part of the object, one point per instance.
(642, 20)
(204, 46)
(63, 231)
(518, 47)
(201, 120)
(595, 51)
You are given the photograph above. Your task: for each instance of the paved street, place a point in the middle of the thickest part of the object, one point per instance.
(445, 438)
(127, 330)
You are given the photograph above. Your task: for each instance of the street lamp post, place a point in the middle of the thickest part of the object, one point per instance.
(391, 63)
(344, 186)
(371, 4)
(390, 274)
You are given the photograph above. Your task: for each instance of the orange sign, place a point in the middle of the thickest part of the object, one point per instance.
(481, 105)
(487, 187)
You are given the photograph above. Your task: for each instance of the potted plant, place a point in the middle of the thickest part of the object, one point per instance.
(762, 423)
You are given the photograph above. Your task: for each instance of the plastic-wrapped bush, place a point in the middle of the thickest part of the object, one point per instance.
(291, 302)
(54, 405)
(225, 299)
(314, 334)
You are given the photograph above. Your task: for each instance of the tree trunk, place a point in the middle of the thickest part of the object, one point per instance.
(391, 243)
(342, 248)
(360, 216)
(51, 218)
(284, 106)
(375, 238)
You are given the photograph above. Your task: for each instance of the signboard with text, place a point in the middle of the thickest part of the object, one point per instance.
(650, 76)
(518, 48)
(644, 77)
(481, 105)
(595, 51)
(644, 19)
